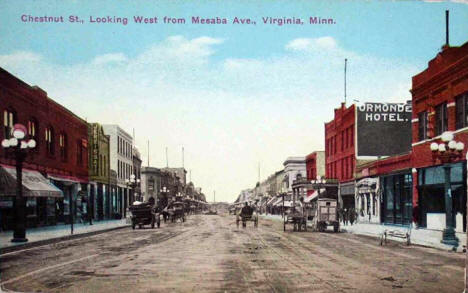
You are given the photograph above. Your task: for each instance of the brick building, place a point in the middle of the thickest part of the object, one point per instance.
(61, 153)
(315, 166)
(340, 154)
(440, 103)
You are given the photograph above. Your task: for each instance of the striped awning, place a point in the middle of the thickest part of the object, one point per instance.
(34, 184)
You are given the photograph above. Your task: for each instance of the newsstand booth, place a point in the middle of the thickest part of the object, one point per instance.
(40, 196)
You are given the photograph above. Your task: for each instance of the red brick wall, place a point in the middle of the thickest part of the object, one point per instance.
(32, 102)
(311, 166)
(340, 156)
(445, 78)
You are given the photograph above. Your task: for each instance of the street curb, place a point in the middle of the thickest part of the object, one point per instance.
(38, 243)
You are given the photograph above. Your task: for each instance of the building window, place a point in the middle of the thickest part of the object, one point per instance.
(461, 111)
(422, 125)
(441, 119)
(49, 139)
(63, 146)
(9, 119)
(32, 129)
(79, 153)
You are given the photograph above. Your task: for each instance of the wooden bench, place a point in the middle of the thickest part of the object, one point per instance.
(396, 234)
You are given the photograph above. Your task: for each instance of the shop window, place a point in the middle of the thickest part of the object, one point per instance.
(441, 119)
(461, 111)
(9, 119)
(49, 139)
(422, 125)
(63, 146)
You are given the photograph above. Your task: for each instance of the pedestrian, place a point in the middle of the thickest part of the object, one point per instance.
(352, 216)
(345, 217)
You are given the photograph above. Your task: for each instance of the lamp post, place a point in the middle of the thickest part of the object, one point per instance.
(133, 183)
(446, 152)
(17, 146)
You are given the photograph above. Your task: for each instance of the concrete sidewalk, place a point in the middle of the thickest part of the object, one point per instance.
(49, 234)
(424, 237)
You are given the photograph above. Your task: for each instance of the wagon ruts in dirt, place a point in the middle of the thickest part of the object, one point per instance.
(326, 214)
(144, 214)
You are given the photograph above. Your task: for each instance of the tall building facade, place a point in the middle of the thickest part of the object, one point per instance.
(61, 153)
(121, 160)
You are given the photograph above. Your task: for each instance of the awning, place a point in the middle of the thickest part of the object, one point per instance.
(69, 179)
(314, 195)
(34, 184)
(270, 202)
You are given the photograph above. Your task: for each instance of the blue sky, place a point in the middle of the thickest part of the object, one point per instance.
(232, 95)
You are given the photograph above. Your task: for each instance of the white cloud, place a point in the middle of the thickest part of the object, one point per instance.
(109, 58)
(228, 115)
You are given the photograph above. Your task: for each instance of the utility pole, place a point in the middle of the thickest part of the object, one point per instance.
(345, 65)
(167, 160)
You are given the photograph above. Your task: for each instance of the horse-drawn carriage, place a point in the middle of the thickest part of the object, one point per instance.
(176, 211)
(245, 215)
(144, 213)
(325, 214)
(297, 218)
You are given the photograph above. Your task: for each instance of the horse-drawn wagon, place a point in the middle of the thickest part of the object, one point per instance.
(144, 214)
(325, 214)
(245, 215)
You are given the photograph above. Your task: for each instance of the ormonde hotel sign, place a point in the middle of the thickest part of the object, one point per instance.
(383, 129)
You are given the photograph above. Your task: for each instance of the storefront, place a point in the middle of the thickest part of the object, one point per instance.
(368, 200)
(347, 195)
(41, 198)
(397, 198)
(431, 214)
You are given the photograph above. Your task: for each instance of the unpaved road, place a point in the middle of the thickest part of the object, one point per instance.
(210, 254)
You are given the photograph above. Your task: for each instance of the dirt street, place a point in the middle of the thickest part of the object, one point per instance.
(208, 253)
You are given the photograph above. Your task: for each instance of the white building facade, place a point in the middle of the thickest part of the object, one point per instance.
(121, 160)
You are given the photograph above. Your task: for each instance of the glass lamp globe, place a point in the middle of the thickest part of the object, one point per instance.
(13, 141)
(434, 147)
(452, 145)
(447, 136)
(31, 143)
(460, 146)
(5, 143)
(18, 133)
(442, 148)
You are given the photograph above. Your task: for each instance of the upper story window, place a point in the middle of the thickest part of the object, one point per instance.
(441, 119)
(422, 125)
(63, 146)
(461, 111)
(9, 119)
(79, 153)
(49, 139)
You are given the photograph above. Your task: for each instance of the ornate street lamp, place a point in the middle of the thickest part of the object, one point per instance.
(17, 146)
(133, 182)
(446, 152)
